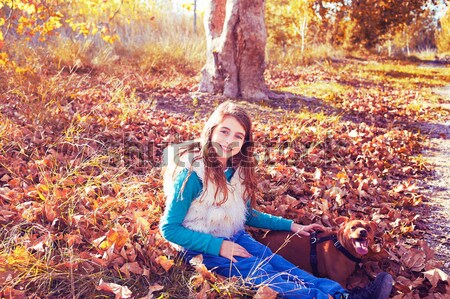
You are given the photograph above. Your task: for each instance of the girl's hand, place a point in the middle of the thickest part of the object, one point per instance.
(230, 249)
(304, 230)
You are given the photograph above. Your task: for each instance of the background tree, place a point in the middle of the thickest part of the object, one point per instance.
(443, 36)
(235, 55)
(289, 23)
(375, 19)
(368, 23)
(419, 34)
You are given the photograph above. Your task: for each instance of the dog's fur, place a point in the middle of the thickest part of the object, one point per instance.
(357, 236)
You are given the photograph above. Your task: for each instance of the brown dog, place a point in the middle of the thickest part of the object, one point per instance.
(326, 254)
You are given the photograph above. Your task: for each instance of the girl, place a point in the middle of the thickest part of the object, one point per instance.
(210, 189)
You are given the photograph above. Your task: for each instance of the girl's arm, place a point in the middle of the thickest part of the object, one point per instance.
(176, 210)
(259, 219)
(263, 220)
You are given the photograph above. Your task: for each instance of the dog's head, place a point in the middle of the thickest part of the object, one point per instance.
(356, 235)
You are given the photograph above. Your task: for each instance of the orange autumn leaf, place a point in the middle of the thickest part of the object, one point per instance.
(14, 183)
(49, 211)
(116, 236)
(164, 262)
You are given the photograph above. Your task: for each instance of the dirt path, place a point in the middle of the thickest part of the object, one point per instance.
(438, 187)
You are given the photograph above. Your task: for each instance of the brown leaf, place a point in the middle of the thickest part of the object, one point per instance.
(132, 267)
(403, 284)
(118, 290)
(414, 260)
(49, 211)
(14, 183)
(73, 239)
(153, 288)
(203, 293)
(436, 275)
(156, 288)
(11, 293)
(197, 263)
(129, 253)
(5, 178)
(265, 292)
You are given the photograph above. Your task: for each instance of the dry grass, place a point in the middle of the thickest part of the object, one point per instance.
(312, 54)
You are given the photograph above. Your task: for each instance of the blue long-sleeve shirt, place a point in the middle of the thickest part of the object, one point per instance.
(172, 227)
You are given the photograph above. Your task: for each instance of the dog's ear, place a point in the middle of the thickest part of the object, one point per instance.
(373, 225)
(341, 220)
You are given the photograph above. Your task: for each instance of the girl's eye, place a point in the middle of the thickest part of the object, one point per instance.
(225, 132)
(240, 137)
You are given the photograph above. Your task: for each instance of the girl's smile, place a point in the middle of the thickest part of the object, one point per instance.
(227, 138)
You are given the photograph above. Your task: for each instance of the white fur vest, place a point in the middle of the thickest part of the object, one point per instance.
(204, 214)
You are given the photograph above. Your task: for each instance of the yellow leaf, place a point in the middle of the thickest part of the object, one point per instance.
(20, 255)
(28, 8)
(165, 262)
(142, 224)
(3, 59)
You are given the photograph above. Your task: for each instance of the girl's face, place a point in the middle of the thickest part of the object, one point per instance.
(227, 138)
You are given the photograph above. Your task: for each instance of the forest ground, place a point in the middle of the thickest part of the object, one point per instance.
(438, 186)
(81, 188)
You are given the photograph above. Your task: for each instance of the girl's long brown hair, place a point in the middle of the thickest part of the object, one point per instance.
(244, 159)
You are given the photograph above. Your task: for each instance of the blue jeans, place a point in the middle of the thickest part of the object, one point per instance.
(267, 268)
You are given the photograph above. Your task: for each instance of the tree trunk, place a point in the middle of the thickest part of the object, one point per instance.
(235, 49)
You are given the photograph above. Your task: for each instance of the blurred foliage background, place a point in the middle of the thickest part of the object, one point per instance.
(153, 33)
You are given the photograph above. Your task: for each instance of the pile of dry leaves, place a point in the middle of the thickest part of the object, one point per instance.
(81, 191)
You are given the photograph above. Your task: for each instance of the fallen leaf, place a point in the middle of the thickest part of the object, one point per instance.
(265, 292)
(117, 237)
(132, 267)
(165, 262)
(197, 263)
(11, 293)
(414, 260)
(153, 288)
(436, 275)
(118, 290)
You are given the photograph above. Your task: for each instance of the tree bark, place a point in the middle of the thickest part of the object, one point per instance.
(235, 49)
